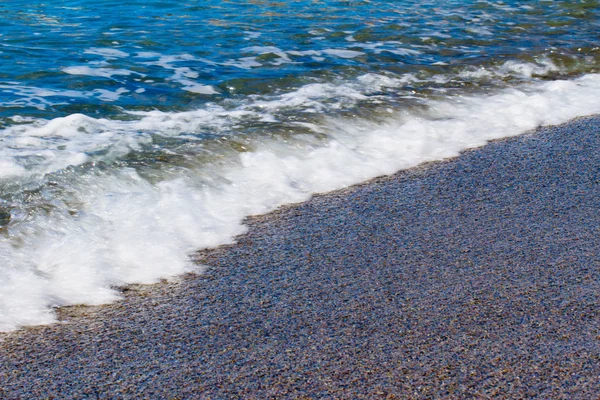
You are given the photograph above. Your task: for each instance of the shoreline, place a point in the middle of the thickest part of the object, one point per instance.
(474, 276)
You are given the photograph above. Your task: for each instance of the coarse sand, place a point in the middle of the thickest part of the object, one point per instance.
(476, 277)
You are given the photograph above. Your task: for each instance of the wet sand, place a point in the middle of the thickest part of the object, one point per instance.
(477, 277)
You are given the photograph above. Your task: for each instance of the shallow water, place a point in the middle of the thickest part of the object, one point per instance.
(133, 135)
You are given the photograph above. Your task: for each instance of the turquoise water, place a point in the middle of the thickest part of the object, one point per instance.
(133, 134)
(101, 57)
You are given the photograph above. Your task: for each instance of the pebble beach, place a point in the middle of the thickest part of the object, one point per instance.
(473, 277)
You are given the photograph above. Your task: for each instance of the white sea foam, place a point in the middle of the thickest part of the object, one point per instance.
(513, 68)
(21, 95)
(102, 72)
(480, 30)
(108, 95)
(45, 147)
(375, 82)
(106, 52)
(343, 53)
(312, 97)
(115, 226)
(183, 75)
(243, 63)
(252, 35)
(389, 46)
(269, 50)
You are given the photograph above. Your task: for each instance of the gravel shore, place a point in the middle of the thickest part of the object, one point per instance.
(477, 277)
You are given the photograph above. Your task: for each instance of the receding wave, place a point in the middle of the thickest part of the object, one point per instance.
(89, 204)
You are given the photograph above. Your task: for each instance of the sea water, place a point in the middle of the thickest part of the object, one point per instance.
(134, 133)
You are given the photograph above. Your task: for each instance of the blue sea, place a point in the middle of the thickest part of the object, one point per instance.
(134, 133)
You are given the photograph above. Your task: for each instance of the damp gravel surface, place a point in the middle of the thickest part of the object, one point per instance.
(476, 277)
